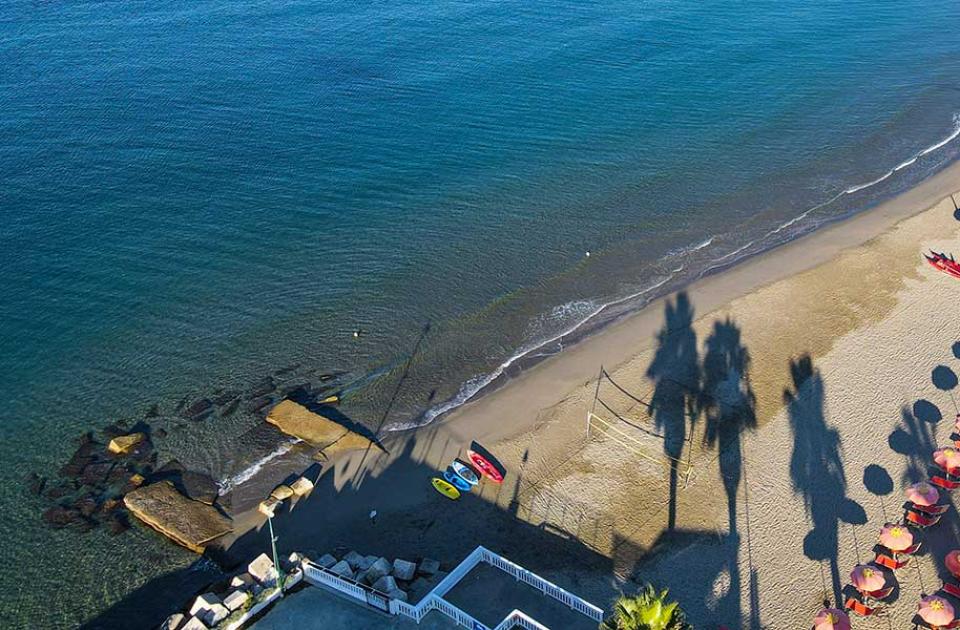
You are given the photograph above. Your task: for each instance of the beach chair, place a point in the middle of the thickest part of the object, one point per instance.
(918, 622)
(877, 597)
(888, 562)
(951, 589)
(912, 549)
(934, 510)
(921, 521)
(944, 483)
(855, 606)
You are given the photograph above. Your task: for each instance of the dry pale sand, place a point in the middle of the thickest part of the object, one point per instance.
(774, 513)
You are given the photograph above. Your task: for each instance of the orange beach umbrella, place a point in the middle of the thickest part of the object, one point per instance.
(831, 619)
(935, 610)
(895, 537)
(867, 578)
(922, 494)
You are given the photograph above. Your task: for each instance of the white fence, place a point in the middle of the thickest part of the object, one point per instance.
(434, 600)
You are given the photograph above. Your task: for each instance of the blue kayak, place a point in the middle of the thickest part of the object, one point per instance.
(456, 480)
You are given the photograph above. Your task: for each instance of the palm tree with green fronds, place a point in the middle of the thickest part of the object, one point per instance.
(647, 610)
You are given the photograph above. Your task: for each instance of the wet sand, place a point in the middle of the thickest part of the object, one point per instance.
(778, 381)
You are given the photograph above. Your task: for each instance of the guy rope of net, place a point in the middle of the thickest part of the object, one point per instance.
(598, 424)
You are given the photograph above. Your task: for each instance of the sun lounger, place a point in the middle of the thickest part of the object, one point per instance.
(945, 483)
(934, 510)
(951, 589)
(921, 521)
(886, 561)
(878, 596)
(909, 551)
(858, 607)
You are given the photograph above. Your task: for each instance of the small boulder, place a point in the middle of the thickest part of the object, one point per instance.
(343, 569)
(353, 559)
(214, 615)
(301, 486)
(367, 562)
(123, 444)
(262, 388)
(428, 567)
(194, 623)
(116, 523)
(173, 622)
(291, 562)
(262, 570)
(404, 570)
(282, 492)
(198, 486)
(224, 398)
(386, 584)
(59, 517)
(95, 474)
(397, 594)
(268, 506)
(204, 602)
(257, 404)
(326, 561)
(235, 600)
(86, 504)
(243, 580)
(377, 570)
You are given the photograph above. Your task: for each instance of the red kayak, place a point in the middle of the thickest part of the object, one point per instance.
(485, 467)
(944, 263)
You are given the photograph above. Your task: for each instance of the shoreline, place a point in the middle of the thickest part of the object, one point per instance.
(710, 292)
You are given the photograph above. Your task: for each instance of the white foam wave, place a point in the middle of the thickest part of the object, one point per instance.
(470, 389)
(228, 484)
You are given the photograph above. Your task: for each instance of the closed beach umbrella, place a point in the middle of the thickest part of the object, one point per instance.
(953, 562)
(867, 578)
(935, 610)
(895, 537)
(922, 494)
(831, 619)
(948, 457)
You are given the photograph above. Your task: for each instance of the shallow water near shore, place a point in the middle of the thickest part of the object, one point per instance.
(196, 197)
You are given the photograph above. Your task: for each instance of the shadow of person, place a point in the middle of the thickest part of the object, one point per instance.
(675, 373)
(956, 349)
(728, 404)
(816, 467)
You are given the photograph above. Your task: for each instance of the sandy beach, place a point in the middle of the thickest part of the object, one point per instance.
(800, 391)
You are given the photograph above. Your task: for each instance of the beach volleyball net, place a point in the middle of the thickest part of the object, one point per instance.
(624, 419)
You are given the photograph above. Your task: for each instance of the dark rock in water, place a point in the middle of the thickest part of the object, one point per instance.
(198, 410)
(113, 430)
(257, 404)
(262, 388)
(58, 491)
(329, 376)
(86, 438)
(36, 483)
(182, 404)
(230, 408)
(86, 505)
(142, 452)
(59, 517)
(153, 411)
(173, 465)
(302, 388)
(85, 454)
(95, 474)
(286, 370)
(160, 433)
(118, 474)
(225, 397)
(198, 486)
(117, 523)
(109, 506)
(84, 525)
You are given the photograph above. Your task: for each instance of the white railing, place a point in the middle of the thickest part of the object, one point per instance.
(548, 588)
(434, 600)
(517, 618)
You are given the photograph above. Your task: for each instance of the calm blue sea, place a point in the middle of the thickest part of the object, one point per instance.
(197, 194)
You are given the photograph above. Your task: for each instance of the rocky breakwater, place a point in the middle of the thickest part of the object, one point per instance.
(321, 426)
(188, 522)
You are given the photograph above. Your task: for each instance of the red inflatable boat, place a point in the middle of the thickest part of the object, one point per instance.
(944, 263)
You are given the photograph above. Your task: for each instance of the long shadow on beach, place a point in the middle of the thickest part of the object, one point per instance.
(816, 469)
(728, 404)
(675, 373)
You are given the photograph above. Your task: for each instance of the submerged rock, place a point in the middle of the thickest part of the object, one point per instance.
(190, 523)
(257, 404)
(230, 408)
(198, 486)
(262, 388)
(224, 397)
(36, 483)
(198, 410)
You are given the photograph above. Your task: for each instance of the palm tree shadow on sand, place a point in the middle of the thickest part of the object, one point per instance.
(675, 373)
(817, 472)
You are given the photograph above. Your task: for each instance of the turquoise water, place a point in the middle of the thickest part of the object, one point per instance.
(195, 195)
